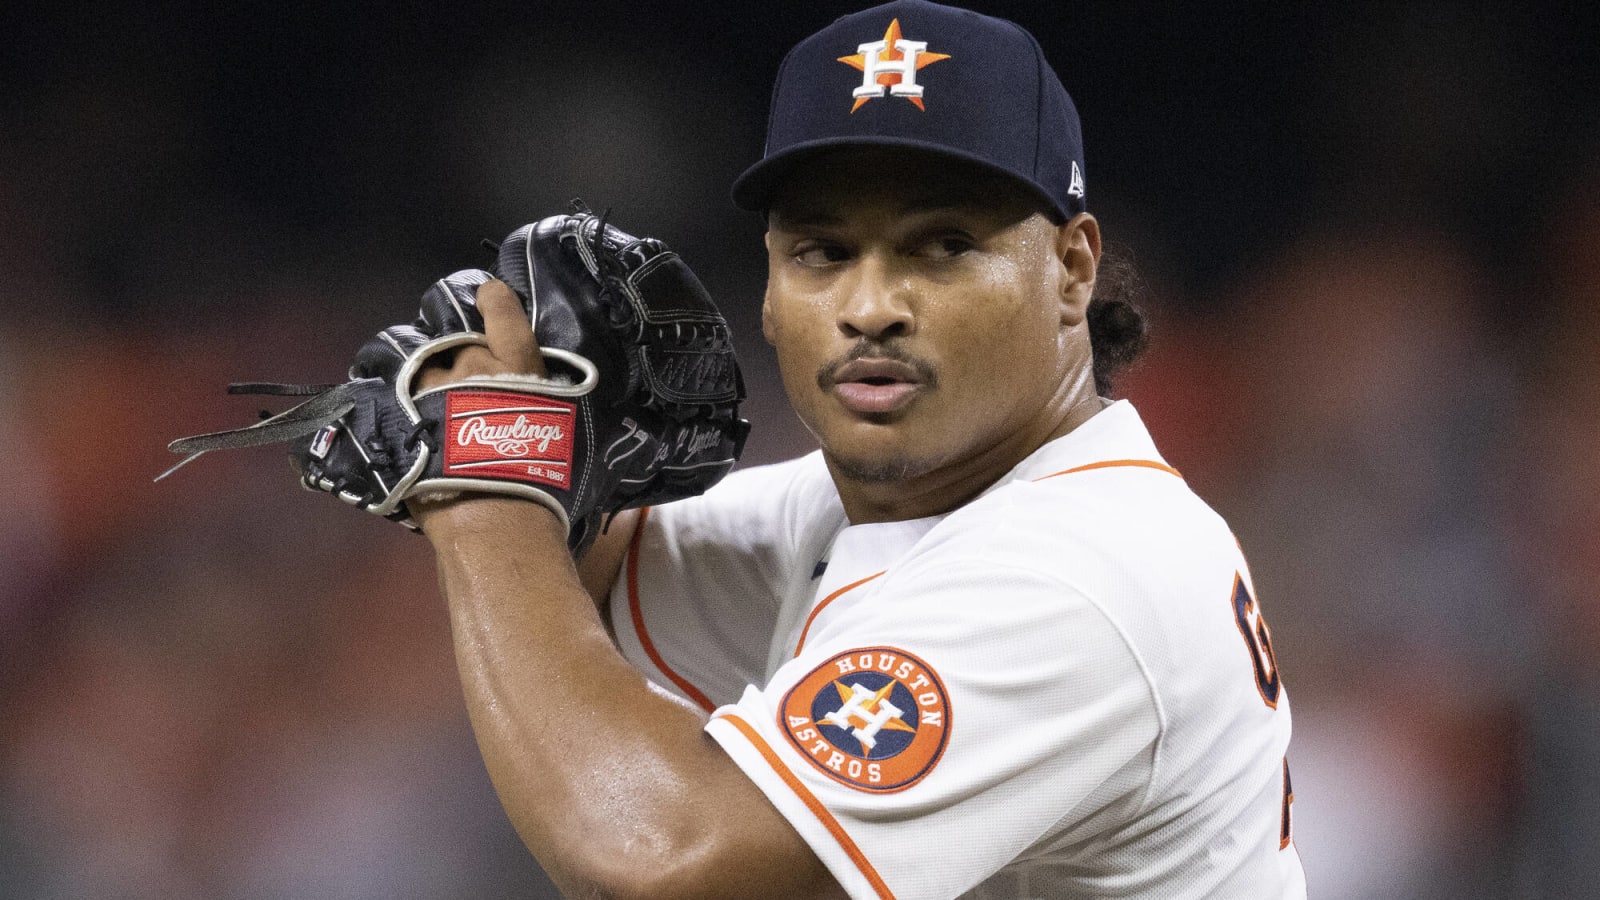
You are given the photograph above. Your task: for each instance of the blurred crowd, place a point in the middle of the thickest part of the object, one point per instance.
(1371, 247)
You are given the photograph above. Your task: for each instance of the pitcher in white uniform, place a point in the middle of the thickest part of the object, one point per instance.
(985, 642)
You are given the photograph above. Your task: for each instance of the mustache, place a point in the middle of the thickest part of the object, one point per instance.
(866, 348)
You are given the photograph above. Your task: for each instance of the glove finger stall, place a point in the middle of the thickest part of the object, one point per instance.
(383, 354)
(450, 305)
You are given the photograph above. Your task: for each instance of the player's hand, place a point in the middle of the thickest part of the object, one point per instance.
(512, 349)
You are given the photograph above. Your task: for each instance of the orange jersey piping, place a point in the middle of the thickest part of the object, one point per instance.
(637, 614)
(804, 630)
(812, 803)
(1112, 463)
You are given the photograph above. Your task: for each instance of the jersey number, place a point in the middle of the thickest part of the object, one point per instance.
(1258, 640)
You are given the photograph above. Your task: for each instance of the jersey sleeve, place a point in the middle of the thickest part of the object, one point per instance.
(923, 740)
(695, 604)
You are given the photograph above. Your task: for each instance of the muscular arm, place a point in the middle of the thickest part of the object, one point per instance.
(611, 783)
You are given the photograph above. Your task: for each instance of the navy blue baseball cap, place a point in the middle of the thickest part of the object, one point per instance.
(937, 78)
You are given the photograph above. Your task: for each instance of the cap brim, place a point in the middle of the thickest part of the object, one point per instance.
(754, 189)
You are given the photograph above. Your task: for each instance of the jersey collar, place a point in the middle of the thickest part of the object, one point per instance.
(1114, 434)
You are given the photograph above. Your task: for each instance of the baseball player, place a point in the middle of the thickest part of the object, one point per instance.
(984, 643)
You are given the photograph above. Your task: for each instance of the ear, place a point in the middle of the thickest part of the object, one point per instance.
(1078, 248)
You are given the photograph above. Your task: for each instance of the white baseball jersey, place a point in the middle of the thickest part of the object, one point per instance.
(1062, 689)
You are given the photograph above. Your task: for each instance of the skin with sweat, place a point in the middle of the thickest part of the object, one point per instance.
(931, 336)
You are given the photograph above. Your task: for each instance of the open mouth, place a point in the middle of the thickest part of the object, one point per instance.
(874, 386)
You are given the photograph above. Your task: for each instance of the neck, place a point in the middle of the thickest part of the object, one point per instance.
(951, 485)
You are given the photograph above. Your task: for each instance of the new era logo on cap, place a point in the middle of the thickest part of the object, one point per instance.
(992, 99)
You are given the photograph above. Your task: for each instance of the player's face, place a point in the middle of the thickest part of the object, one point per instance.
(929, 321)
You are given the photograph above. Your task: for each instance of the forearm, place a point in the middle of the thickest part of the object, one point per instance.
(594, 767)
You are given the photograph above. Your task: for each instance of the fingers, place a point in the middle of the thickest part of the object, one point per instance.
(510, 335)
(512, 349)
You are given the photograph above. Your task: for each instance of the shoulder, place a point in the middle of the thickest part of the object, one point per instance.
(760, 505)
(1099, 499)
(1119, 537)
(1139, 515)
(1134, 539)
(803, 480)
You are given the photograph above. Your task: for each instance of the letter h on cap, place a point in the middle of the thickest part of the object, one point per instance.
(874, 65)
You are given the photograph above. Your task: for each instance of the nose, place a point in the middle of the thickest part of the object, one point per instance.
(878, 302)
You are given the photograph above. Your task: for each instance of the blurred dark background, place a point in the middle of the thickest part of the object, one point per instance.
(1371, 239)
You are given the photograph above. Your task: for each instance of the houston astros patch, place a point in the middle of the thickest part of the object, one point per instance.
(876, 719)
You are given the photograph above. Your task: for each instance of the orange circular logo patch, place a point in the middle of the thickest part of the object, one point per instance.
(876, 719)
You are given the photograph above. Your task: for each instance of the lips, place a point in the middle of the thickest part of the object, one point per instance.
(875, 386)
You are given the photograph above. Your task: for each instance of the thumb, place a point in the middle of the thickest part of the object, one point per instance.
(506, 326)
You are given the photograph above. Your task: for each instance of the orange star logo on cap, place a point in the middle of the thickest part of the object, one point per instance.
(890, 66)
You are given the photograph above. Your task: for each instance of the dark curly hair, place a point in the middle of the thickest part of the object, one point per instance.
(1118, 331)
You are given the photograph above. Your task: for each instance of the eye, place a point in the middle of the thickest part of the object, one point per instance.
(819, 254)
(946, 246)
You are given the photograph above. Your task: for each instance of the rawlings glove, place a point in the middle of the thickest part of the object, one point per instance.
(641, 405)
(449, 306)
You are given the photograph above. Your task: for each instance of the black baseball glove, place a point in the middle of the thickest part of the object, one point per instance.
(640, 404)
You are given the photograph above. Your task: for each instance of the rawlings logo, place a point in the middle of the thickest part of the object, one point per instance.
(503, 435)
(514, 439)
